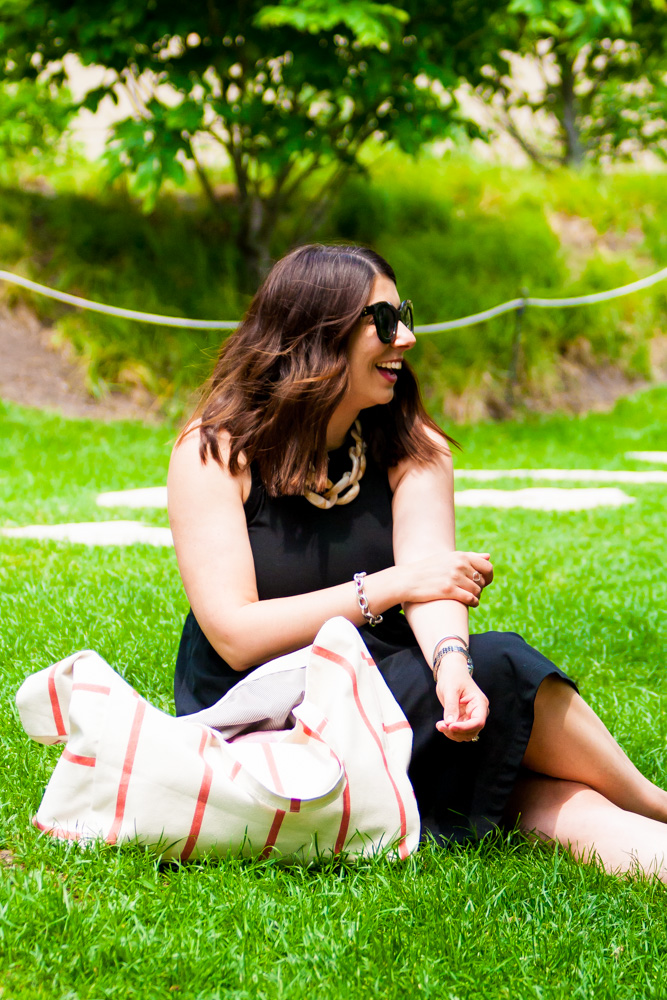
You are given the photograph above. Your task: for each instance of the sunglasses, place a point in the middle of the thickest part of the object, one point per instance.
(387, 318)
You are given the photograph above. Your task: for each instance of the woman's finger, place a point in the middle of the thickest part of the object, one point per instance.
(471, 586)
(452, 707)
(475, 722)
(471, 581)
(482, 570)
(467, 596)
(458, 735)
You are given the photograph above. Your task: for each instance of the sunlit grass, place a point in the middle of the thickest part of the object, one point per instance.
(505, 919)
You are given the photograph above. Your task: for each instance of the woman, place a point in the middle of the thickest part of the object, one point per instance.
(279, 524)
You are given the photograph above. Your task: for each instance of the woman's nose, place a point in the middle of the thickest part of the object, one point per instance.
(405, 338)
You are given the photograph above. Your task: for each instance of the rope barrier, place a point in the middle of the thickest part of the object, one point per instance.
(528, 300)
(75, 300)
(519, 304)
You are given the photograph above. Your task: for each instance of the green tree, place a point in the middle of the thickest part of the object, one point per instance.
(33, 116)
(603, 71)
(292, 92)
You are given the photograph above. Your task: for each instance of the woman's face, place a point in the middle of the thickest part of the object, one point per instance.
(376, 367)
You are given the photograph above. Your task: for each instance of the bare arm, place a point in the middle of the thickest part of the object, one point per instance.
(423, 509)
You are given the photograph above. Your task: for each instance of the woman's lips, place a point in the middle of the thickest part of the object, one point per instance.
(389, 374)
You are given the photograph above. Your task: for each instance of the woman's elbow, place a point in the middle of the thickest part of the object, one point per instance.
(236, 655)
(227, 633)
(232, 647)
(239, 666)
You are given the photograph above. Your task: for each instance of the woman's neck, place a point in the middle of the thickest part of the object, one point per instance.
(338, 427)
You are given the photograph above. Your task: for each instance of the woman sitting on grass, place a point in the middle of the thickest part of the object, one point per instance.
(312, 483)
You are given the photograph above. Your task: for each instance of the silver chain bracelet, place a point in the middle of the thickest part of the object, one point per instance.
(362, 600)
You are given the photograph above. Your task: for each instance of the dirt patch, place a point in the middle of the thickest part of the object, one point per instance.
(34, 372)
(578, 233)
(572, 386)
(578, 388)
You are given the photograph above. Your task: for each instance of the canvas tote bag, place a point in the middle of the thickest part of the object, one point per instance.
(232, 779)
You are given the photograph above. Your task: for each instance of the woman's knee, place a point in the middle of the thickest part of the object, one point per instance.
(551, 805)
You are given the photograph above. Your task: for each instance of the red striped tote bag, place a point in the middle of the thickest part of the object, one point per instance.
(227, 781)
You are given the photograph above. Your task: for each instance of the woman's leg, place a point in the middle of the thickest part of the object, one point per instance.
(569, 741)
(589, 825)
(595, 802)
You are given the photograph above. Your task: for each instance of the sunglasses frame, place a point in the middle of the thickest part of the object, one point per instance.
(397, 317)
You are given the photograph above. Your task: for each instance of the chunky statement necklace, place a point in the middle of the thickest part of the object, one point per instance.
(347, 487)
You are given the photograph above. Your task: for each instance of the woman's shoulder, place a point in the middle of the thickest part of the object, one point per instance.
(192, 467)
(440, 458)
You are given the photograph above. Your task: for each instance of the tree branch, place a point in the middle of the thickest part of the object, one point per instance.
(532, 152)
(203, 177)
(574, 148)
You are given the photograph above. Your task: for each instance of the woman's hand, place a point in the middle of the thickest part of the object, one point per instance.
(454, 576)
(465, 706)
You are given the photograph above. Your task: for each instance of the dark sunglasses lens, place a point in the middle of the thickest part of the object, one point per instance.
(406, 315)
(386, 322)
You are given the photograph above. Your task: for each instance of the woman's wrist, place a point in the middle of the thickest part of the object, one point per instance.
(454, 660)
(382, 590)
(450, 665)
(391, 585)
(450, 639)
(405, 581)
(448, 647)
(362, 600)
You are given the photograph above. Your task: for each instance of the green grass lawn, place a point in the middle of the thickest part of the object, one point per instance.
(505, 919)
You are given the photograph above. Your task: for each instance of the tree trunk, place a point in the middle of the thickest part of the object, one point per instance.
(252, 238)
(204, 181)
(252, 241)
(574, 149)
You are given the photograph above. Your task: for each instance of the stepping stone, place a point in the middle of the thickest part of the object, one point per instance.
(156, 496)
(659, 457)
(565, 475)
(544, 498)
(150, 496)
(95, 533)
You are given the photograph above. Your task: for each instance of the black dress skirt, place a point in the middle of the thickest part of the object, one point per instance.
(461, 788)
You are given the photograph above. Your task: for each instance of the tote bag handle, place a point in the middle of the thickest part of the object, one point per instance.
(299, 750)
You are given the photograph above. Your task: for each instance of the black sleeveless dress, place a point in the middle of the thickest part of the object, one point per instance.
(461, 788)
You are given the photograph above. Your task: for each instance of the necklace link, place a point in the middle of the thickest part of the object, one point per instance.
(347, 487)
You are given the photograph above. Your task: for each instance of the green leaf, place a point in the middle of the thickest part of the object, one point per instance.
(369, 23)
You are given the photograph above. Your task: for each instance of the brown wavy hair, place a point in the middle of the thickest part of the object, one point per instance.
(283, 372)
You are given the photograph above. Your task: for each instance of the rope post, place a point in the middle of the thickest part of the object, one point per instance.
(517, 343)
